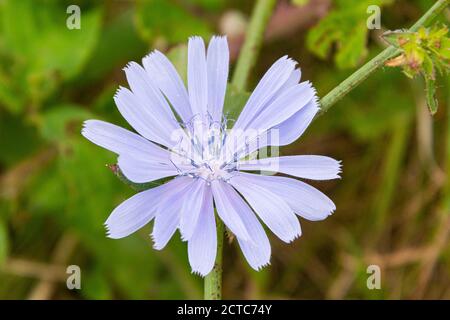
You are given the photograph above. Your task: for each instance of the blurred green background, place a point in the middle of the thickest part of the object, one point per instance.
(56, 191)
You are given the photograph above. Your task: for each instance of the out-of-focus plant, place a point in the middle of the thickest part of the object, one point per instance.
(344, 27)
(172, 21)
(425, 53)
(39, 53)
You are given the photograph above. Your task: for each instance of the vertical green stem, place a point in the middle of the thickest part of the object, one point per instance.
(253, 40)
(247, 59)
(213, 281)
(362, 73)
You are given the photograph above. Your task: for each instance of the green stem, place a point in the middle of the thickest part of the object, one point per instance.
(253, 40)
(247, 59)
(365, 71)
(213, 281)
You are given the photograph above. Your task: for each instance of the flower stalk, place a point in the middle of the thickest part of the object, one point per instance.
(253, 41)
(213, 281)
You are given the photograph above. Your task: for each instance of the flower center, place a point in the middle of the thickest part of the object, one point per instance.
(199, 151)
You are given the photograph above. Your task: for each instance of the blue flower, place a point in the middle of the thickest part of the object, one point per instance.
(183, 134)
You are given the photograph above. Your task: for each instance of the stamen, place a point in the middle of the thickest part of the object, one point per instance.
(203, 149)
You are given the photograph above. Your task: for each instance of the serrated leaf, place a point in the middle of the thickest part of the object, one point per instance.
(352, 51)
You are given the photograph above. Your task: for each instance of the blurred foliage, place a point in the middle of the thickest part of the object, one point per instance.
(54, 183)
(4, 242)
(300, 2)
(172, 21)
(35, 63)
(343, 27)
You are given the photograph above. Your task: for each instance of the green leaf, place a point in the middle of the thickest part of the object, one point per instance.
(345, 27)
(169, 21)
(352, 51)
(42, 38)
(40, 51)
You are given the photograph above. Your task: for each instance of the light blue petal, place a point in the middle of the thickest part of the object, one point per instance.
(134, 213)
(191, 209)
(141, 170)
(149, 95)
(168, 211)
(202, 246)
(305, 200)
(197, 76)
(217, 70)
(292, 80)
(304, 166)
(257, 251)
(122, 141)
(229, 207)
(167, 79)
(283, 107)
(267, 87)
(286, 132)
(272, 209)
(292, 129)
(142, 119)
